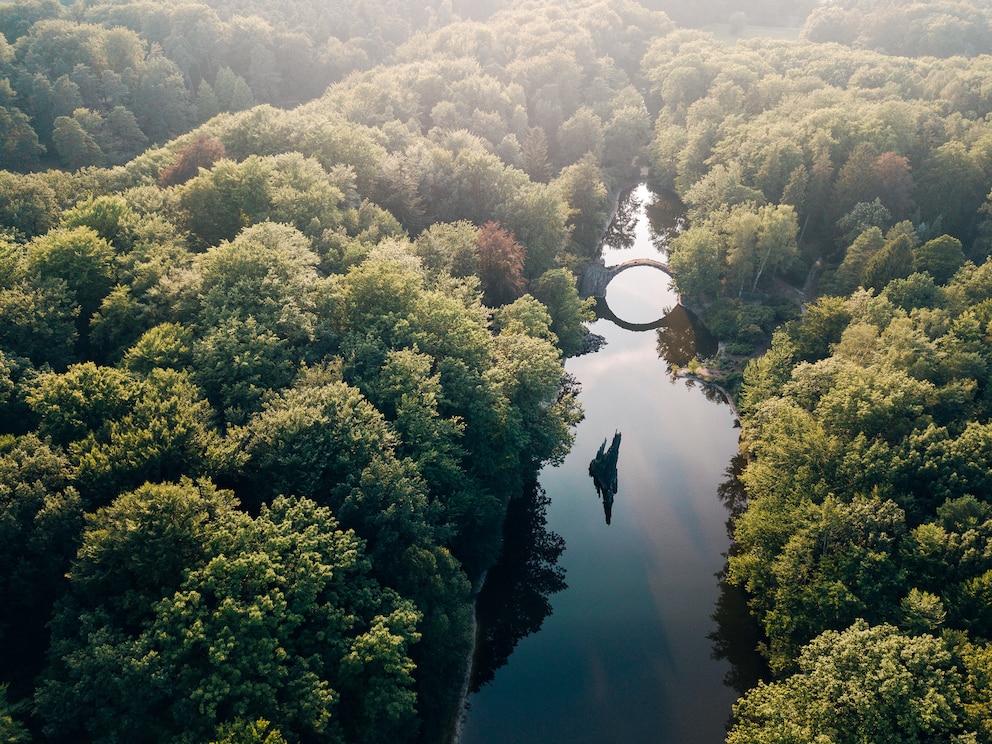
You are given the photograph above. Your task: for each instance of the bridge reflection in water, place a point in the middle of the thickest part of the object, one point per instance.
(681, 335)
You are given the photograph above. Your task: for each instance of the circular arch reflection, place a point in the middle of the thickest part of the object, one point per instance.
(605, 312)
(681, 335)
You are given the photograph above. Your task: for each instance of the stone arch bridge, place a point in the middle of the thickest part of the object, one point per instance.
(596, 276)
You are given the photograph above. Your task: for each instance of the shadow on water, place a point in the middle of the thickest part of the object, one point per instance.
(515, 599)
(738, 635)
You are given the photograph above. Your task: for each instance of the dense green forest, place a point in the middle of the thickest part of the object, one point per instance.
(284, 298)
(859, 182)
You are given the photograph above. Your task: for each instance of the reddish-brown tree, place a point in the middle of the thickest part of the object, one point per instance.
(202, 152)
(501, 264)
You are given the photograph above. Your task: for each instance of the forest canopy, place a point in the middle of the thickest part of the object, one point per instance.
(284, 302)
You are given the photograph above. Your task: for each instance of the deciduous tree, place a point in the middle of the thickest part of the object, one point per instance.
(501, 264)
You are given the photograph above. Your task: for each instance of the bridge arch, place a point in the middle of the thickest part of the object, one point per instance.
(653, 263)
(596, 276)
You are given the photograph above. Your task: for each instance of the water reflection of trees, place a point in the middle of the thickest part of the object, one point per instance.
(620, 234)
(683, 337)
(516, 597)
(732, 493)
(738, 635)
(666, 213)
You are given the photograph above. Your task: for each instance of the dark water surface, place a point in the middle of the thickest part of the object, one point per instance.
(626, 653)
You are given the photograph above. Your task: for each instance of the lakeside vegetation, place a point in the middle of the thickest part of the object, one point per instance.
(269, 372)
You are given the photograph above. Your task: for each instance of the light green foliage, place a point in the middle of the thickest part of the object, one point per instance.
(732, 249)
(923, 612)
(915, 292)
(377, 295)
(448, 248)
(940, 257)
(625, 138)
(528, 316)
(28, 205)
(153, 267)
(765, 242)
(579, 136)
(79, 257)
(254, 300)
(74, 404)
(266, 273)
(275, 330)
(110, 216)
(556, 289)
(217, 204)
(721, 188)
(536, 215)
(582, 187)
(243, 731)
(528, 374)
(136, 549)
(694, 257)
(237, 362)
(764, 376)
(121, 431)
(317, 438)
(856, 421)
(166, 346)
(851, 400)
(303, 194)
(837, 566)
(861, 684)
(409, 394)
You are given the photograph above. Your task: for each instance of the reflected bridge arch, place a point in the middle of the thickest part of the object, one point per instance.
(605, 312)
(597, 277)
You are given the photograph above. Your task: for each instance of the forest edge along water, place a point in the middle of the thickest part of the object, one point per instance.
(638, 639)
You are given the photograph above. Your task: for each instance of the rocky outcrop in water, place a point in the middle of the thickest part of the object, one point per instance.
(603, 469)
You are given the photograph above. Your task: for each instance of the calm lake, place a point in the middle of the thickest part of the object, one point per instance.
(629, 650)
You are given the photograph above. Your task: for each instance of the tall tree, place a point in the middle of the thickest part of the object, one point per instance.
(501, 264)
(74, 144)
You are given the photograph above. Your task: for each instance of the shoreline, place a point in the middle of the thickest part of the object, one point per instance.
(458, 723)
(459, 720)
(703, 377)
